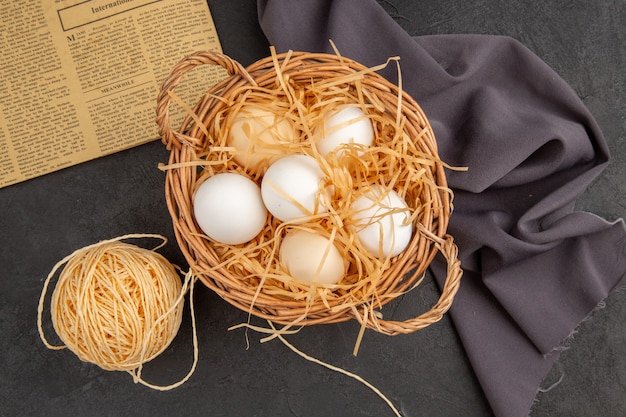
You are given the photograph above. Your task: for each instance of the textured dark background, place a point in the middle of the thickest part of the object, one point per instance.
(424, 374)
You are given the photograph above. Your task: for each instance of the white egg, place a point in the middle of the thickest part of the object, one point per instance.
(259, 136)
(382, 224)
(292, 188)
(309, 257)
(348, 125)
(229, 209)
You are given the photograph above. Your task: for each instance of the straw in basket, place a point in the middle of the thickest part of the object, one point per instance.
(249, 276)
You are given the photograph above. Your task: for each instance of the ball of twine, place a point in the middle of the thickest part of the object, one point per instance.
(116, 305)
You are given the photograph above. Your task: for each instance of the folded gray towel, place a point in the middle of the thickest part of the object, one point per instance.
(534, 268)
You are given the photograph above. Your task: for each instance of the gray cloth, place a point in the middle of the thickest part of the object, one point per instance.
(534, 268)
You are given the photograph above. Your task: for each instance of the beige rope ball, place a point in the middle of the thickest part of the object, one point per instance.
(115, 304)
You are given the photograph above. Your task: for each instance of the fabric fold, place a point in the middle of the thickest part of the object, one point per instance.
(534, 268)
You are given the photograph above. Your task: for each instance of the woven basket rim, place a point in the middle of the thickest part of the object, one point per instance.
(187, 140)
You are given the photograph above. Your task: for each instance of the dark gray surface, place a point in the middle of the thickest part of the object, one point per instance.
(424, 374)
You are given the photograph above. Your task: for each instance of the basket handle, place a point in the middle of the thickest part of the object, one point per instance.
(449, 250)
(169, 136)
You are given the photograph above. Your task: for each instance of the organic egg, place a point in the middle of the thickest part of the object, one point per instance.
(348, 125)
(310, 257)
(258, 134)
(292, 188)
(382, 223)
(229, 209)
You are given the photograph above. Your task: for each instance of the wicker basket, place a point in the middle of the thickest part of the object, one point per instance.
(406, 270)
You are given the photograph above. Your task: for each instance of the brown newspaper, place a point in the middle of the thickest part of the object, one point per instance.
(79, 79)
